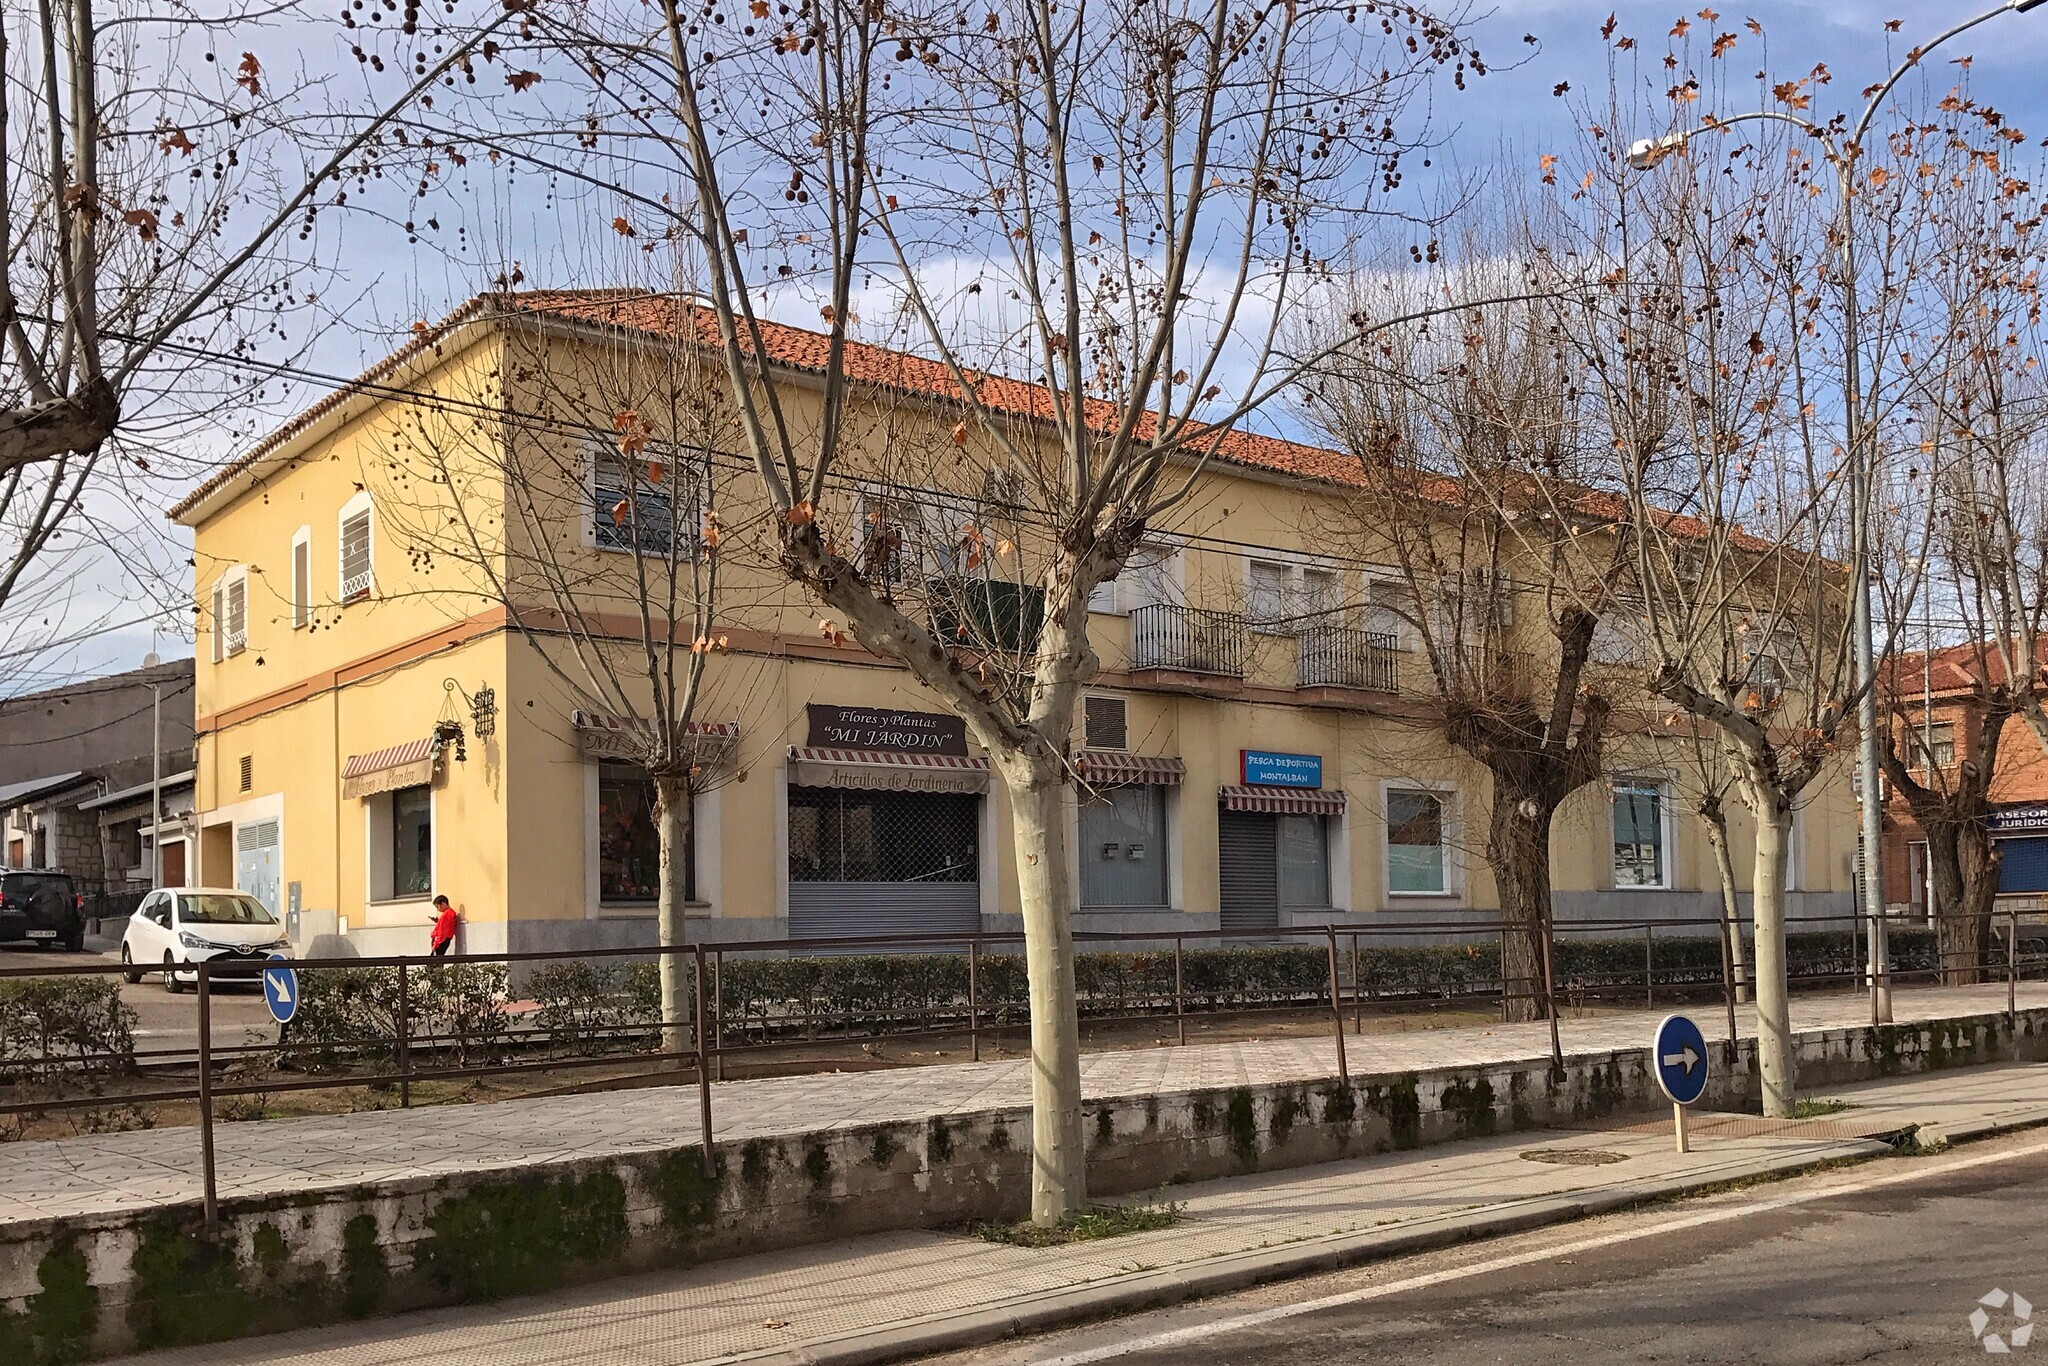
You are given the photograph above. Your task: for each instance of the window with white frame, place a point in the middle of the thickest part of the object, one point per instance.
(230, 613)
(1937, 740)
(357, 562)
(1283, 598)
(653, 501)
(401, 838)
(302, 578)
(909, 535)
(1418, 852)
(1148, 579)
(1618, 641)
(1390, 611)
(1642, 854)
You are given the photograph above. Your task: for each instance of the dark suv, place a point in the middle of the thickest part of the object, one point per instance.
(44, 908)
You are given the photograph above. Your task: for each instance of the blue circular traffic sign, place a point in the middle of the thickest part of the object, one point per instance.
(1679, 1055)
(281, 989)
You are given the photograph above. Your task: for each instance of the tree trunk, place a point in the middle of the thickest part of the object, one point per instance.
(1731, 905)
(1773, 996)
(1038, 811)
(1963, 861)
(672, 825)
(1518, 852)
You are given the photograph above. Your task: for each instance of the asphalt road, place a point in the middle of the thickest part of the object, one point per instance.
(1852, 1265)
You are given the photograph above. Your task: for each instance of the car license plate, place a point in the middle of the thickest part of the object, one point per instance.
(42, 934)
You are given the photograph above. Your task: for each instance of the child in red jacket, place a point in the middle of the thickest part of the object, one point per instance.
(445, 923)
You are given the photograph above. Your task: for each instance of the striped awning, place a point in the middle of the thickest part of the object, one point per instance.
(408, 765)
(1110, 767)
(1287, 801)
(604, 736)
(885, 770)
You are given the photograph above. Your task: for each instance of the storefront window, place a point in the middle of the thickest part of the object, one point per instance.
(1304, 860)
(629, 841)
(1123, 847)
(412, 841)
(1639, 853)
(854, 835)
(1415, 842)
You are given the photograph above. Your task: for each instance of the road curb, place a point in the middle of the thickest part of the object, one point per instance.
(1160, 1287)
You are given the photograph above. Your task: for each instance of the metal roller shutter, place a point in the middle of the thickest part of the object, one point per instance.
(1248, 866)
(864, 862)
(820, 910)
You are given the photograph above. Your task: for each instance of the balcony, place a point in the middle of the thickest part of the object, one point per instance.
(1344, 657)
(1189, 640)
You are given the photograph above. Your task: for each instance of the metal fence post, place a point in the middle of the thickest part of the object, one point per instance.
(1728, 976)
(974, 998)
(1649, 966)
(1357, 994)
(1337, 1006)
(1180, 1017)
(703, 1069)
(210, 1197)
(718, 1012)
(2012, 973)
(404, 1039)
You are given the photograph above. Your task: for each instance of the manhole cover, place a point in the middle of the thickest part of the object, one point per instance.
(1574, 1157)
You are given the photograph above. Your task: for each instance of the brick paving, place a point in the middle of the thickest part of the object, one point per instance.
(111, 1172)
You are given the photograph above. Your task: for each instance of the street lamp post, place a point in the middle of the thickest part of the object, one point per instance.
(1862, 462)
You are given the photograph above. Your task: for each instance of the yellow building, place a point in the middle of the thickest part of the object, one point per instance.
(378, 723)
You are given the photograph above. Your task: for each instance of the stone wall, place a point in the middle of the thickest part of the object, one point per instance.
(76, 1288)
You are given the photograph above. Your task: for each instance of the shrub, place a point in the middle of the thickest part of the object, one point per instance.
(348, 1017)
(51, 1026)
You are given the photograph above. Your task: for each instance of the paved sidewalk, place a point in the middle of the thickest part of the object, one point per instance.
(111, 1172)
(898, 1294)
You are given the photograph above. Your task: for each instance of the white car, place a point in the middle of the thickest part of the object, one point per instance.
(180, 926)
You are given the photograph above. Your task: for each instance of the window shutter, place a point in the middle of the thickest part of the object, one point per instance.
(1106, 722)
(220, 622)
(302, 583)
(355, 556)
(238, 615)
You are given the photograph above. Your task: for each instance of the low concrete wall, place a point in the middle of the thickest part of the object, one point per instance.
(82, 1287)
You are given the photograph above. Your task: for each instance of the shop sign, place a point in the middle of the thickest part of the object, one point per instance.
(908, 732)
(1270, 768)
(2018, 818)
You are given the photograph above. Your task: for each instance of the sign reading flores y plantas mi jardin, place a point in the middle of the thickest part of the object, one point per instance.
(918, 732)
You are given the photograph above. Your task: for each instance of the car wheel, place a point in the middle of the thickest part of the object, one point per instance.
(76, 943)
(171, 982)
(132, 973)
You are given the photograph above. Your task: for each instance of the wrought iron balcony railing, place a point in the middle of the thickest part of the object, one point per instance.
(1189, 639)
(1344, 657)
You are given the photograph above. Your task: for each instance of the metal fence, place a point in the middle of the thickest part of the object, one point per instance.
(1345, 657)
(926, 985)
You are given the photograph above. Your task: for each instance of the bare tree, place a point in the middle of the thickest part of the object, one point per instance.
(1968, 526)
(1117, 205)
(156, 180)
(620, 594)
(1472, 464)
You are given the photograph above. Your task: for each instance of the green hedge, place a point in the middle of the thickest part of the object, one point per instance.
(585, 1008)
(348, 1017)
(63, 1024)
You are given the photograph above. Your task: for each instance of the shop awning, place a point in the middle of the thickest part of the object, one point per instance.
(603, 736)
(406, 765)
(1286, 801)
(882, 770)
(1110, 767)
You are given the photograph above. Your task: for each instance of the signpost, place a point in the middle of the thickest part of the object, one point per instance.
(281, 989)
(1679, 1054)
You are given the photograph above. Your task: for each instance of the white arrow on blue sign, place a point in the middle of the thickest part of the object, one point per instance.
(1680, 1055)
(281, 990)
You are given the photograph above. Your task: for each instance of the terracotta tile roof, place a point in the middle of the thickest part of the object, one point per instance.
(1951, 669)
(670, 315)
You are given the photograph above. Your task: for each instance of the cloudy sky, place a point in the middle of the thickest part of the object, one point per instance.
(121, 593)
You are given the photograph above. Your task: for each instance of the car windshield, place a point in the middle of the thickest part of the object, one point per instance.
(224, 910)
